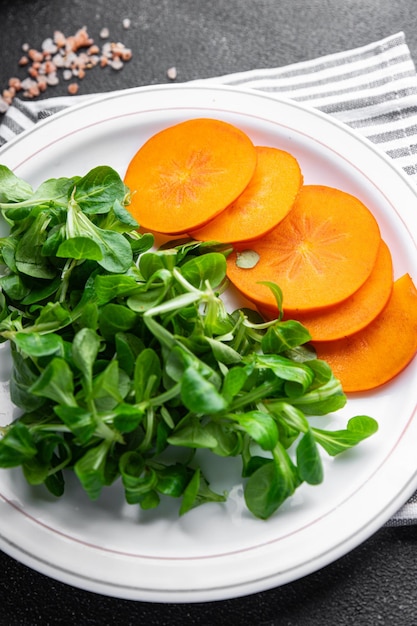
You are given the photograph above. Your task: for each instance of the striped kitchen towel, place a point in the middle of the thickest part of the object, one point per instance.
(372, 89)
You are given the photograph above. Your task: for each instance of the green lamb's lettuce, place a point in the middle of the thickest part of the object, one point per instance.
(122, 353)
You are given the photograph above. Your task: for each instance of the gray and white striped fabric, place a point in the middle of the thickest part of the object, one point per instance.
(372, 89)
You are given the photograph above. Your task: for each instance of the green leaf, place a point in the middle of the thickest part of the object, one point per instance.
(210, 267)
(284, 336)
(266, 490)
(55, 484)
(90, 470)
(56, 383)
(308, 460)
(233, 382)
(277, 292)
(17, 446)
(85, 348)
(287, 370)
(53, 316)
(324, 399)
(138, 479)
(172, 480)
(80, 421)
(118, 219)
(336, 441)
(127, 417)
(152, 263)
(109, 287)
(192, 435)
(260, 426)
(98, 189)
(271, 484)
(44, 464)
(147, 374)
(200, 395)
(223, 352)
(115, 318)
(116, 252)
(229, 441)
(22, 378)
(44, 292)
(198, 492)
(14, 286)
(107, 390)
(80, 248)
(51, 193)
(37, 345)
(12, 188)
(28, 256)
(128, 346)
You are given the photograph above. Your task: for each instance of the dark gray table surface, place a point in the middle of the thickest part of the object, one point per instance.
(376, 583)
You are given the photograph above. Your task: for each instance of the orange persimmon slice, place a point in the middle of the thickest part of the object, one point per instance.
(266, 200)
(374, 355)
(357, 311)
(188, 173)
(319, 255)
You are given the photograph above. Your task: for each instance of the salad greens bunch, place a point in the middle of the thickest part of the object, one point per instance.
(126, 361)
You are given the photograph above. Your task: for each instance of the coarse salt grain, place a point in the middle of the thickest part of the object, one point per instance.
(116, 63)
(73, 88)
(52, 79)
(71, 56)
(49, 46)
(172, 73)
(15, 83)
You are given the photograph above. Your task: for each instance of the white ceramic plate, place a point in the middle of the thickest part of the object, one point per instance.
(219, 551)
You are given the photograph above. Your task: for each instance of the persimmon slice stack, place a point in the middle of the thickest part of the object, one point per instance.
(376, 354)
(320, 254)
(188, 173)
(266, 200)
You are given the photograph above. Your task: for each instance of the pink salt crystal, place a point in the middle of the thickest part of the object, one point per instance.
(7, 96)
(42, 83)
(59, 39)
(73, 89)
(35, 55)
(52, 79)
(49, 67)
(116, 63)
(15, 83)
(58, 60)
(49, 46)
